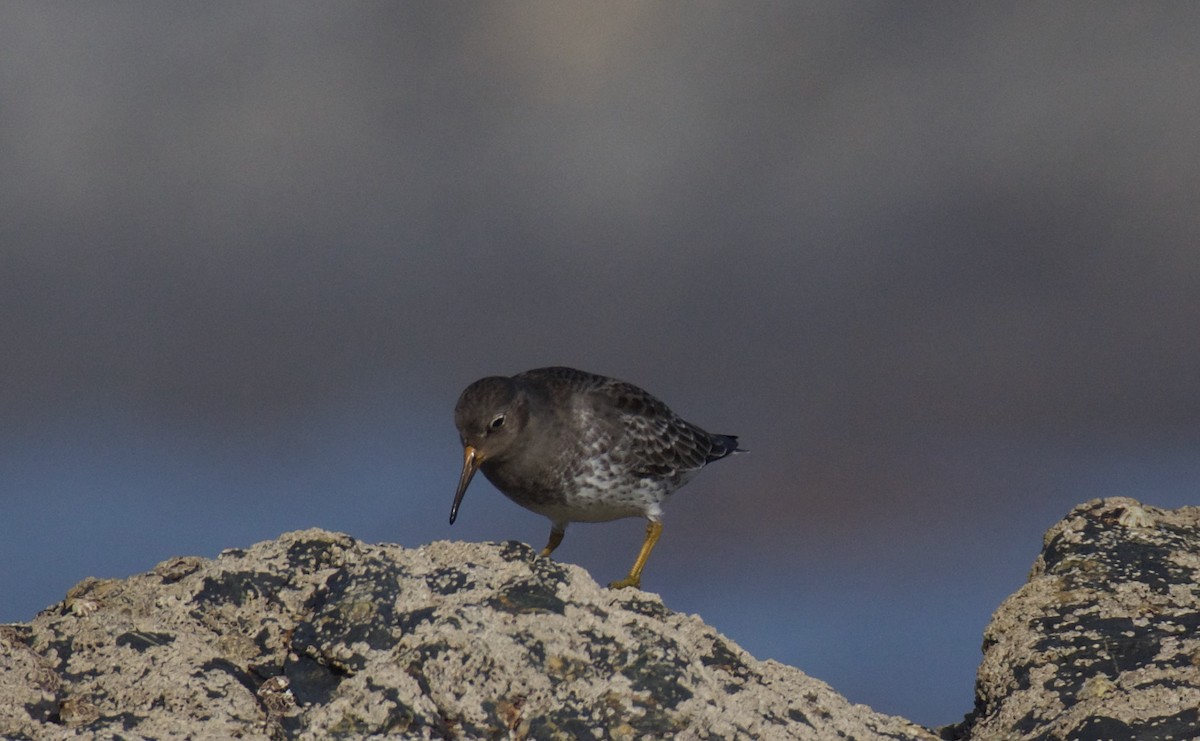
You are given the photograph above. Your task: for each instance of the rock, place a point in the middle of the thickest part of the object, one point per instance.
(317, 635)
(1103, 642)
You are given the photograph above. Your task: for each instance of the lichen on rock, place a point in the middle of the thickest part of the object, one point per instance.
(318, 635)
(1103, 642)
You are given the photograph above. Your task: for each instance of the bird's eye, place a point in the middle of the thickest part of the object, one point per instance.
(497, 422)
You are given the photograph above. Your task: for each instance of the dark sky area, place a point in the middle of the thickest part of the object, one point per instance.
(938, 266)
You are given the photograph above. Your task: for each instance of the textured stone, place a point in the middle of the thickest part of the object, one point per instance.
(1103, 642)
(317, 635)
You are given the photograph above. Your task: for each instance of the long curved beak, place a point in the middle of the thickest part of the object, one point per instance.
(471, 461)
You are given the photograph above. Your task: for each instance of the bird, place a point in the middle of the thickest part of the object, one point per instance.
(575, 446)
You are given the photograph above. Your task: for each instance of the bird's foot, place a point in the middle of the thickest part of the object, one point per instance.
(629, 581)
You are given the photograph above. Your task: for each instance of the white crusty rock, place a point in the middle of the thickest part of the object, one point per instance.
(317, 635)
(1103, 642)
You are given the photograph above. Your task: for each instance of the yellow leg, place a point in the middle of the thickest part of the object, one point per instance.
(653, 530)
(556, 537)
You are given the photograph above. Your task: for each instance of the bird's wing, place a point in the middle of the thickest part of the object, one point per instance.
(657, 442)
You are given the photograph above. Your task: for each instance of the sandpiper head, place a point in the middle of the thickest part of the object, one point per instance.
(489, 415)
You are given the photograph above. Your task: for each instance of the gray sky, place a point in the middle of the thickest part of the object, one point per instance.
(939, 268)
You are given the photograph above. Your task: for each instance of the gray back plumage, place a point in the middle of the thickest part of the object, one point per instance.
(659, 443)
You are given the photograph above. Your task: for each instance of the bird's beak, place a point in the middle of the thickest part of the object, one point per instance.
(471, 461)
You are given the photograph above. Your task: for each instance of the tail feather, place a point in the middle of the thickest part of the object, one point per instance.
(722, 445)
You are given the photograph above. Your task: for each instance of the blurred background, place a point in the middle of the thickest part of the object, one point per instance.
(938, 266)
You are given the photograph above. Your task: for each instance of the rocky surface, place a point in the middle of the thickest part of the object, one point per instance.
(1103, 642)
(317, 635)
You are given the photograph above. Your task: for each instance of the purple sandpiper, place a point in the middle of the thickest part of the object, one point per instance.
(578, 447)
